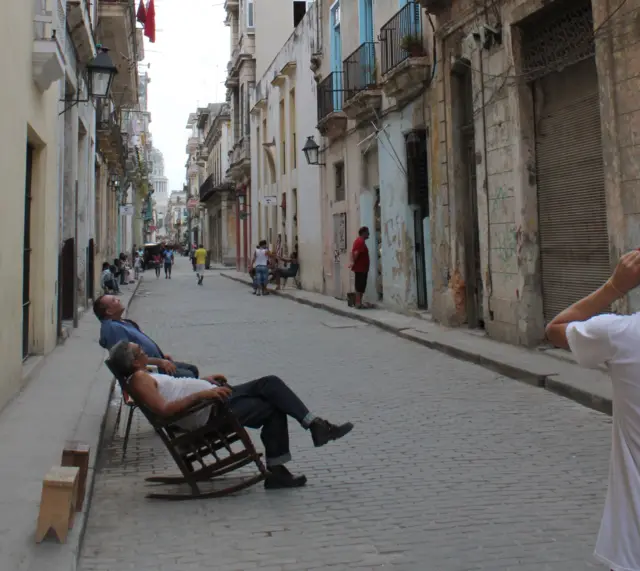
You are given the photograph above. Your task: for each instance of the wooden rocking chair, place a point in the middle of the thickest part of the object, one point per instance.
(219, 447)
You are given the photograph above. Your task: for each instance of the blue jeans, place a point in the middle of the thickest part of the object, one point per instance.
(262, 275)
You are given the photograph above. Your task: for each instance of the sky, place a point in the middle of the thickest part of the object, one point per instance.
(187, 68)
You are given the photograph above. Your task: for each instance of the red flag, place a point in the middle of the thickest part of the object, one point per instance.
(150, 23)
(141, 16)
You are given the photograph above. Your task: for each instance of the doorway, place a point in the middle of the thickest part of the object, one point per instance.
(90, 271)
(26, 257)
(67, 278)
(377, 225)
(469, 199)
(418, 198)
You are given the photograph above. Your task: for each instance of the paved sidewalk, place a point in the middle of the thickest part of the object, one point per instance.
(65, 398)
(552, 370)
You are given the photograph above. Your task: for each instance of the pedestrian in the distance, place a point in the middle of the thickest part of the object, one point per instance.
(201, 259)
(137, 265)
(260, 262)
(157, 261)
(168, 262)
(360, 265)
(596, 338)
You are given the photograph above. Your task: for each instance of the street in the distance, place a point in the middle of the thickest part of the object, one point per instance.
(450, 467)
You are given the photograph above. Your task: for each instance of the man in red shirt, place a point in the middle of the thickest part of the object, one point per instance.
(360, 263)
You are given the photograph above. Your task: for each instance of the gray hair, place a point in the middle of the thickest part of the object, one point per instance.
(122, 358)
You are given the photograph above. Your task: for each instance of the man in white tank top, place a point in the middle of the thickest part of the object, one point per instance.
(597, 338)
(264, 403)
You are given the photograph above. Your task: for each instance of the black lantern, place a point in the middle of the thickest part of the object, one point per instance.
(101, 70)
(311, 151)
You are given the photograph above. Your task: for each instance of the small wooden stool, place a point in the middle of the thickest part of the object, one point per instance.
(77, 454)
(57, 506)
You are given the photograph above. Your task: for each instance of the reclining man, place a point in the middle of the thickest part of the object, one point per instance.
(264, 403)
(109, 310)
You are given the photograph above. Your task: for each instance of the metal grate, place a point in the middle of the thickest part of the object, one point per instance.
(360, 69)
(560, 40)
(404, 29)
(330, 94)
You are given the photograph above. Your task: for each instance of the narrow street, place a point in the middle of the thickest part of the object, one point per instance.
(449, 468)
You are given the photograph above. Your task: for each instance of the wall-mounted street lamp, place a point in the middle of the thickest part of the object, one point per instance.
(100, 73)
(244, 210)
(312, 151)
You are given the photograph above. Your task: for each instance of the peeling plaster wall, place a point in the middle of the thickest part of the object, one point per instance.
(398, 236)
(304, 178)
(507, 201)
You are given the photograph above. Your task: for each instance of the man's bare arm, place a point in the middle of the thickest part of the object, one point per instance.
(147, 390)
(625, 277)
(586, 308)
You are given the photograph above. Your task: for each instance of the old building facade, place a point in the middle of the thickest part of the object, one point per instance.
(217, 192)
(533, 176)
(285, 190)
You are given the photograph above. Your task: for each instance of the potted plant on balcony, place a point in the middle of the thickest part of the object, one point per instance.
(412, 44)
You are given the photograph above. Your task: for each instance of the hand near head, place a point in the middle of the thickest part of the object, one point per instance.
(626, 276)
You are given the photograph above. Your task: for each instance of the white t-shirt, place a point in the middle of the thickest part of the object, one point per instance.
(261, 257)
(614, 340)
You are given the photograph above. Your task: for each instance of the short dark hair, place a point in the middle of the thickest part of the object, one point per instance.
(106, 266)
(200, 246)
(99, 308)
(363, 230)
(262, 243)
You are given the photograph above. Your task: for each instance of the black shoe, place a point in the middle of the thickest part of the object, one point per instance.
(322, 431)
(279, 477)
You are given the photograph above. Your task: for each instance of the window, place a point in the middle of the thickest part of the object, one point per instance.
(250, 22)
(299, 10)
(338, 170)
(292, 128)
(283, 141)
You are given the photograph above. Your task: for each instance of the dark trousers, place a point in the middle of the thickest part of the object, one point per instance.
(265, 403)
(183, 370)
(167, 269)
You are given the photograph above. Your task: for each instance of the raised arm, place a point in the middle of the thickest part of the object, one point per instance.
(625, 277)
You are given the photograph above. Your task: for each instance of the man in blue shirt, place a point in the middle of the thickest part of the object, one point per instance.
(168, 262)
(114, 329)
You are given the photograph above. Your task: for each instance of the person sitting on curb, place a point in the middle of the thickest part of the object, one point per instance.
(263, 403)
(113, 329)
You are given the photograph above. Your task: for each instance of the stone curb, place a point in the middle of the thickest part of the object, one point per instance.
(100, 409)
(545, 381)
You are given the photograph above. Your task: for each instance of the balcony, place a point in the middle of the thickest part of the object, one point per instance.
(109, 136)
(192, 145)
(47, 62)
(240, 159)
(362, 96)
(405, 66)
(231, 6)
(117, 32)
(332, 120)
(79, 24)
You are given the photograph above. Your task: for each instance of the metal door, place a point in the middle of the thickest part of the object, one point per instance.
(572, 210)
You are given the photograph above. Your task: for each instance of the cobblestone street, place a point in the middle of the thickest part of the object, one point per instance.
(449, 468)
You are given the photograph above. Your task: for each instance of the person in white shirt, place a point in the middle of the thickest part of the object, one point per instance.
(260, 263)
(596, 338)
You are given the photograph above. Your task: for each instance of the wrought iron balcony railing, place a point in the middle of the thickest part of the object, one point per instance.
(360, 70)
(401, 37)
(330, 94)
